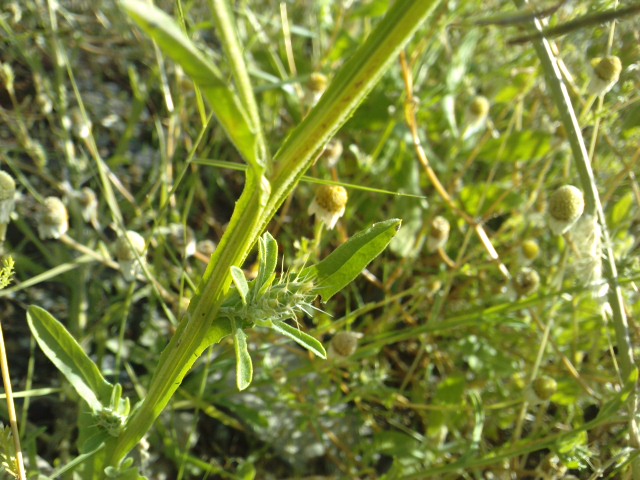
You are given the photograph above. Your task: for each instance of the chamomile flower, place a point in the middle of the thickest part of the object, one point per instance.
(316, 87)
(604, 74)
(129, 247)
(476, 116)
(329, 204)
(54, 219)
(565, 208)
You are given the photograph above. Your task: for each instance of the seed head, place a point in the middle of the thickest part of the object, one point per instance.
(329, 204)
(344, 344)
(545, 387)
(54, 220)
(604, 74)
(565, 207)
(438, 233)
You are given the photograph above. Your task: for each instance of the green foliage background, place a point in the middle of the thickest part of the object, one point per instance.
(440, 385)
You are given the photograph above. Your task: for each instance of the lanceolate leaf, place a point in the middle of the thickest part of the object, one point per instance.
(67, 355)
(298, 336)
(268, 261)
(223, 101)
(240, 282)
(244, 366)
(347, 262)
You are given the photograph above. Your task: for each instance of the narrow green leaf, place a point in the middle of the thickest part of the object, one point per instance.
(345, 263)
(240, 282)
(244, 367)
(222, 100)
(67, 355)
(268, 259)
(298, 336)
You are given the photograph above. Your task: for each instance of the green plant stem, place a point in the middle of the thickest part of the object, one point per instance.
(225, 27)
(258, 204)
(593, 206)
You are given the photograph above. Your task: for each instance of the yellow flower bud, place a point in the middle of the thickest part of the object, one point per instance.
(565, 208)
(604, 74)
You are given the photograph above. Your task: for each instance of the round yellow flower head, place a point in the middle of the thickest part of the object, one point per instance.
(317, 82)
(545, 387)
(54, 220)
(530, 250)
(605, 74)
(329, 204)
(565, 208)
(479, 108)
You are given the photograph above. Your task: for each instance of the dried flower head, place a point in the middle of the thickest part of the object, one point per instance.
(329, 204)
(129, 247)
(438, 233)
(565, 208)
(344, 344)
(54, 220)
(605, 73)
(526, 282)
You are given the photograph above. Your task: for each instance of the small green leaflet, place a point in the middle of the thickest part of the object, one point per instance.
(244, 366)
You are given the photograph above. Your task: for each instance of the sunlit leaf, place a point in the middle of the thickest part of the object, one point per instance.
(345, 263)
(68, 357)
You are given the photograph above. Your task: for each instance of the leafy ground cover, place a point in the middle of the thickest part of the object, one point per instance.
(480, 344)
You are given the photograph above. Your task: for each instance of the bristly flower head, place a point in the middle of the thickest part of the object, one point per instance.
(565, 208)
(54, 220)
(129, 247)
(329, 204)
(604, 73)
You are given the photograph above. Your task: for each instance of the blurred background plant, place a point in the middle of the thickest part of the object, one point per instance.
(448, 360)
